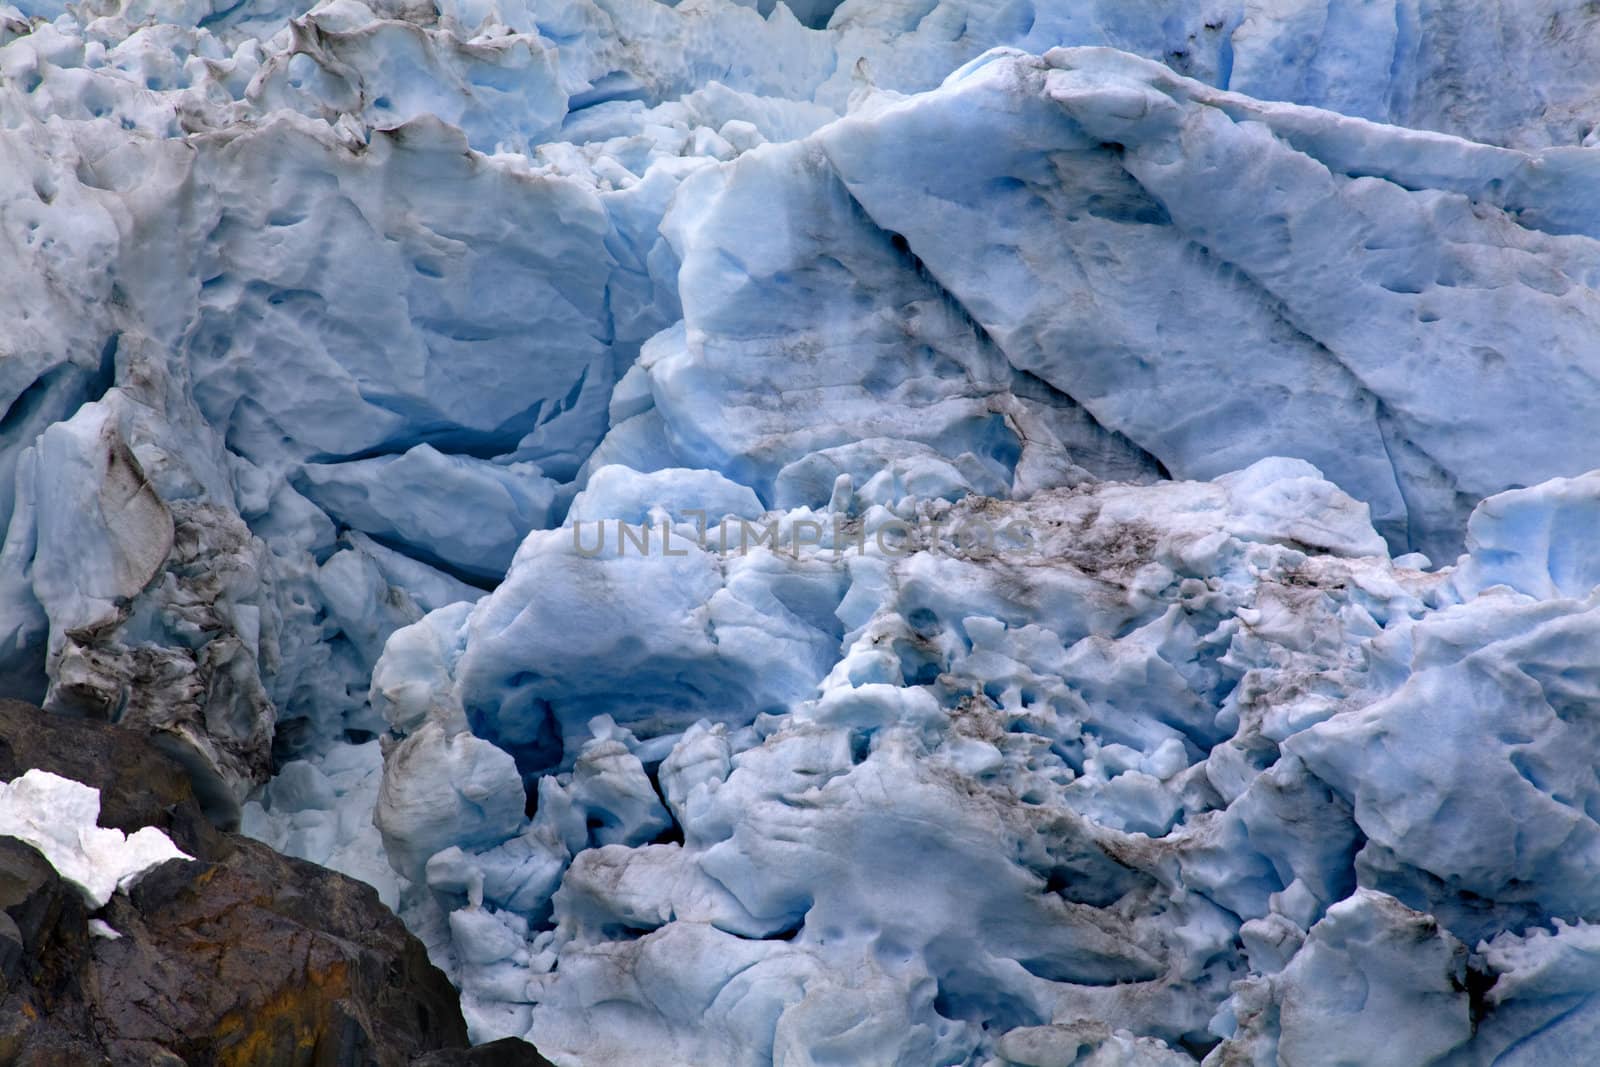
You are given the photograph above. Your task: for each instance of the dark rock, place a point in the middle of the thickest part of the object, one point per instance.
(139, 784)
(34, 900)
(42, 1016)
(259, 958)
(242, 956)
(508, 1052)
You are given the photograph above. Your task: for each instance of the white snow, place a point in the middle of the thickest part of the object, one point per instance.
(60, 818)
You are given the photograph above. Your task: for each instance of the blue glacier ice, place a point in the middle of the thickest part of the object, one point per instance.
(993, 532)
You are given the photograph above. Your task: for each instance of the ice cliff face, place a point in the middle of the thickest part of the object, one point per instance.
(1105, 381)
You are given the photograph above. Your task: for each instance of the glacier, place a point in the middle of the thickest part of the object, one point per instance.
(1004, 532)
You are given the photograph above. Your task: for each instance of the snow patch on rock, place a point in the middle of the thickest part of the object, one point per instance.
(60, 818)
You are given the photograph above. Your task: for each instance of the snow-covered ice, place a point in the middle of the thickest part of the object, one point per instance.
(61, 818)
(966, 532)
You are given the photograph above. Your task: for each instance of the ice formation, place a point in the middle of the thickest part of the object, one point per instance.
(959, 531)
(61, 818)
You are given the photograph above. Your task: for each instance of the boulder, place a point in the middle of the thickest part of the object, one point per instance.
(240, 956)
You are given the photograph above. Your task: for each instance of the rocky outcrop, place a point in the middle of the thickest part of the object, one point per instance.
(242, 956)
(140, 785)
(507, 1052)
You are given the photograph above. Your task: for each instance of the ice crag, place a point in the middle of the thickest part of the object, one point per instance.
(891, 533)
(1202, 762)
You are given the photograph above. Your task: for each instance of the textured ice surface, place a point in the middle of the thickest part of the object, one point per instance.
(61, 818)
(483, 439)
(1204, 763)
